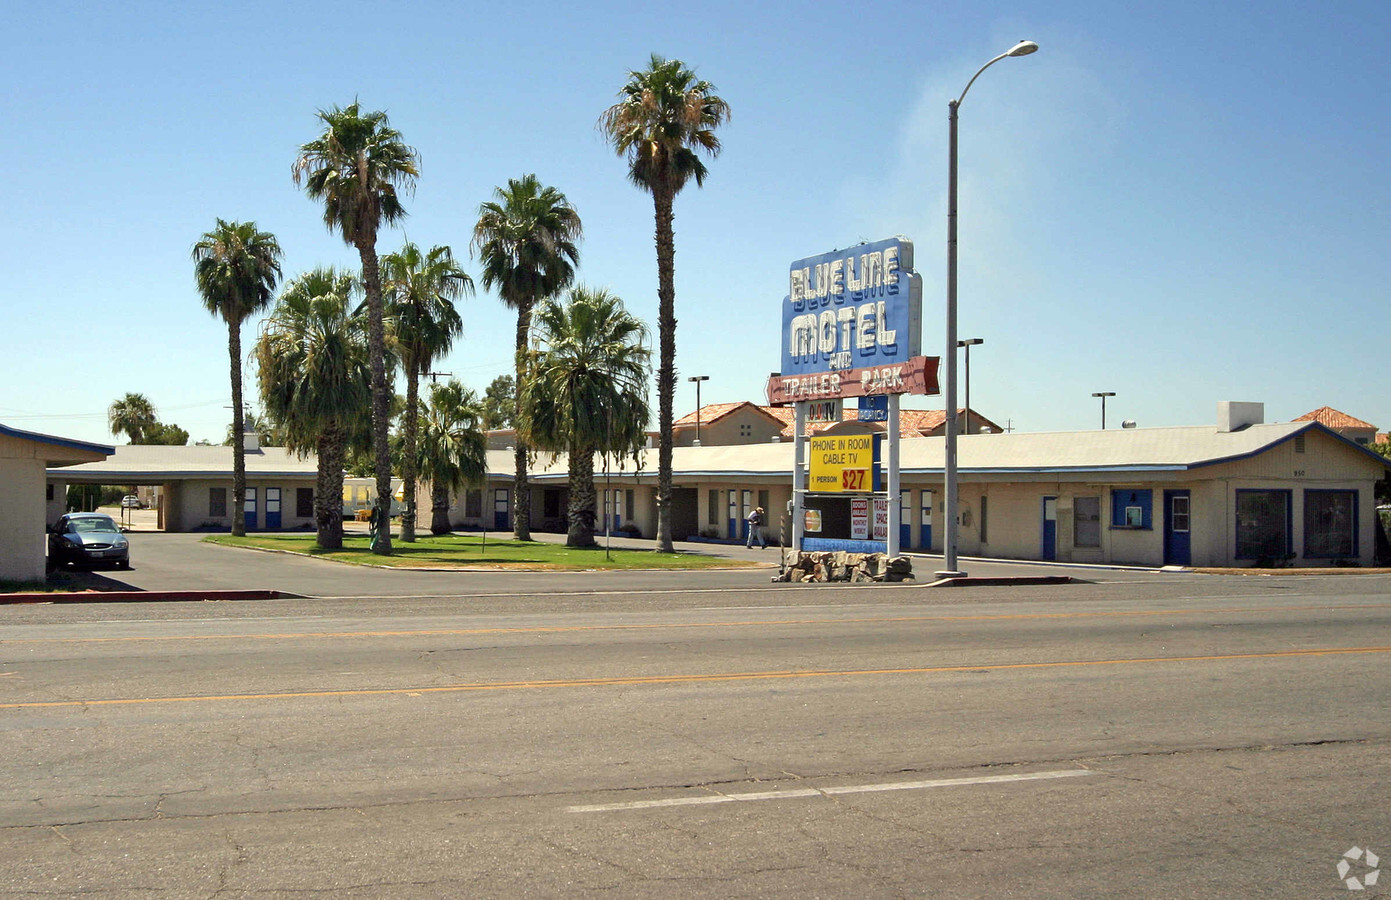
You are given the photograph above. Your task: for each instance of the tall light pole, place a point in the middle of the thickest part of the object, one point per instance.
(1103, 395)
(1023, 48)
(698, 379)
(968, 344)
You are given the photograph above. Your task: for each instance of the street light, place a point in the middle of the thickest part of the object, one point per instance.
(968, 344)
(698, 379)
(1103, 395)
(1023, 48)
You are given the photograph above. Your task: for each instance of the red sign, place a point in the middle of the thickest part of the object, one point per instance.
(916, 376)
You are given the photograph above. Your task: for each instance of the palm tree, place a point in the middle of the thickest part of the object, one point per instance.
(587, 391)
(453, 450)
(316, 382)
(663, 116)
(133, 415)
(422, 290)
(236, 267)
(356, 167)
(526, 239)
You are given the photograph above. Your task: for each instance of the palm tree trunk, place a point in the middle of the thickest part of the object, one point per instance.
(328, 495)
(521, 488)
(238, 426)
(582, 498)
(666, 371)
(381, 409)
(412, 430)
(439, 510)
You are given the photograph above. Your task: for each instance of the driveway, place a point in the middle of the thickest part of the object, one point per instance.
(166, 562)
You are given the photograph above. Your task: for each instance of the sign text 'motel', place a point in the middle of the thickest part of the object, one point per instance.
(852, 326)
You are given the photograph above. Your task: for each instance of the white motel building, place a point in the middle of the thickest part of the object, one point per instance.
(1235, 492)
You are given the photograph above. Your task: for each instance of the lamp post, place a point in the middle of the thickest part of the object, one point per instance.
(1103, 395)
(1023, 48)
(698, 379)
(968, 344)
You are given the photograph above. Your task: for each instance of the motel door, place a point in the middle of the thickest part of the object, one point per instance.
(1178, 550)
(905, 520)
(744, 516)
(733, 532)
(925, 533)
(1050, 528)
(272, 509)
(500, 509)
(249, 509)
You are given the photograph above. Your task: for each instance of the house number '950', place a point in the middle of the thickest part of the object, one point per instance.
(1298, 473)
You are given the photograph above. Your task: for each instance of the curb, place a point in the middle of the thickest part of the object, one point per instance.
(142, 596)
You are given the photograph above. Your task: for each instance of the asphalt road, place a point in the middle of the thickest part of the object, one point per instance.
(1182, 736)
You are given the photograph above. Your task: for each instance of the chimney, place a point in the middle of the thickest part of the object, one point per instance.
(1233, 415)
(251, 442)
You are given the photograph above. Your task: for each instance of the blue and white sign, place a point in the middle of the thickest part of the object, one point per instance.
(852, 309)
(874, 409)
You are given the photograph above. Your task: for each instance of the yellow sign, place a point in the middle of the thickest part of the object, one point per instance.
(841, 463)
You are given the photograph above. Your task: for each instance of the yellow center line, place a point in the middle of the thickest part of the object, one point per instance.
(698, 679)
(760, 623)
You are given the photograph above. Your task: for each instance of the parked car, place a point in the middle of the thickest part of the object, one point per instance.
(130, 501)
(87, 539)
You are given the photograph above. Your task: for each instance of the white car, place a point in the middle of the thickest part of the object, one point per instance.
(130, 501)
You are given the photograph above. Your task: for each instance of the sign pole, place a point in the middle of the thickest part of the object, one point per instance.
(892, 486)
(799, 472)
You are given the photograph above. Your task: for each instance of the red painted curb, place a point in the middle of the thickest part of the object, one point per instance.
(140, 596)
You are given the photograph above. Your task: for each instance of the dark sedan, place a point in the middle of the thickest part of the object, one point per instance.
(87, 539)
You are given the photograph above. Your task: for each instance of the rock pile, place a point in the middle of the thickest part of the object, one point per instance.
(840, 565)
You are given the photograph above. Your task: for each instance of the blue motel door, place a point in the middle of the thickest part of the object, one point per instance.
(1178, 549)
(905, 520)
(1049, 550)
(272, 509)
(249, 509)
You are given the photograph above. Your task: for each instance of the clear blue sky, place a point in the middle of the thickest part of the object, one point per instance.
(1179, 202)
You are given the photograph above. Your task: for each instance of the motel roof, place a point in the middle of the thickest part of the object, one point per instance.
(1136, 450)
(56, 451)
(149, 463)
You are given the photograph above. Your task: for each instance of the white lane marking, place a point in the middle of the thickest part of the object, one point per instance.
(801, 793)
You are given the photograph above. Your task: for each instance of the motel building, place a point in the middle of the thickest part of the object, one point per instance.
(1237, 492)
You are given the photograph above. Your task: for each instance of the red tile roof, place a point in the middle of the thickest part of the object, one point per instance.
(1332, 418)
(713, 412)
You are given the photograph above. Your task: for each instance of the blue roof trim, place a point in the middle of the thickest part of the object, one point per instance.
(56, 441)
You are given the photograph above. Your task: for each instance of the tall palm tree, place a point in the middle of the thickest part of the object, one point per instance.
(357, 168)
(587, 391)
(132, 415)
(526, 239)
(236, 267)
(663, 116)
(453, 450)
(316, 382)
(421, 288)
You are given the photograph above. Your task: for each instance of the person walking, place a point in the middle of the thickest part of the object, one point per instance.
(756, 520)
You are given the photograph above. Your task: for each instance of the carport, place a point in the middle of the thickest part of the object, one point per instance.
(25, 456)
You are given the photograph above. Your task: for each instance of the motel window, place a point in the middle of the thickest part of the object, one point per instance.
(1330, 524)
(217, 502)
(1086, 522)
(984, 518)
(1262, 524)
(473, 503)
(551, 504)
(1131, 508)
(304, 503)
(713, 515)
(745, 430)
(628, 504)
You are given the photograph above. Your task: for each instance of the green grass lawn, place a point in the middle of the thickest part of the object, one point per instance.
(468, 551)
